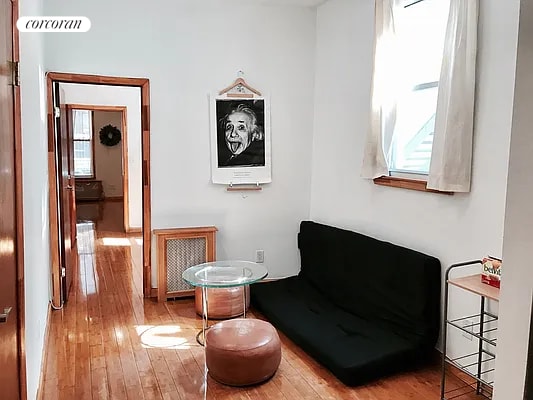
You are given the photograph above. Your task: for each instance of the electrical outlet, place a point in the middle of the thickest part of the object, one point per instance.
(467, 324)
(259, 256)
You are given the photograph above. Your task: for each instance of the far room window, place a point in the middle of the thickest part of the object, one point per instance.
(420, 30)
(83, 143)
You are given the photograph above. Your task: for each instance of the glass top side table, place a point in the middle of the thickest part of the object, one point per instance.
(222, 274)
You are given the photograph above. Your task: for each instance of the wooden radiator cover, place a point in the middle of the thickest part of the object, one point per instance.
(177, 250)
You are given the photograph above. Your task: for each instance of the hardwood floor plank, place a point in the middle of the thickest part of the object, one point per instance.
(172, 396)
(134, 392)
(108, 342)
(291, 378)
(187, 376)
(51, 389)
(97, 356)
(67, 393)
(99, 384)
(152, 393)
(83, 372)
(162, 373)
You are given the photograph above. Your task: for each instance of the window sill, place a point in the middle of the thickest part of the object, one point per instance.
(405, 183)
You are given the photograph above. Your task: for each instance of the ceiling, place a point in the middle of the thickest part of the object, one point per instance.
(301, 3)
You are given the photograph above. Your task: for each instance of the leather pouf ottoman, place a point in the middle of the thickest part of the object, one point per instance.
(222, 302)
(242, 352)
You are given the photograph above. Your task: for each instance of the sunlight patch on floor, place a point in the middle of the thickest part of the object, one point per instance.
(115, 241)
(119, 335)
(162, 337)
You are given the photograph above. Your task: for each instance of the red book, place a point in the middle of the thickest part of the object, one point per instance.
(491, 271)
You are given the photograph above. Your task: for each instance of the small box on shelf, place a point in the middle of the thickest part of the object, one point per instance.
(491, 271)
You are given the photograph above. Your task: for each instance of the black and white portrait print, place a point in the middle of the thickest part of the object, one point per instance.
(240, 133)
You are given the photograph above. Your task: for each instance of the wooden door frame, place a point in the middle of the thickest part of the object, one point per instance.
(19, 219)
(124, 148)
(144, 85)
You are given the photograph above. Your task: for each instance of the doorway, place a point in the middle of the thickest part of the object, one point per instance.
(12, 353)
(61, 113)
(101, 167)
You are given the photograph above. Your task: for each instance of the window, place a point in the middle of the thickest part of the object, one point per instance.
(83, 143)
(420, 32)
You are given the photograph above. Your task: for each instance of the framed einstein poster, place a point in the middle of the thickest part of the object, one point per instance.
(240, 139)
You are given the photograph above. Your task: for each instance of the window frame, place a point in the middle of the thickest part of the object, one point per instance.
(407, 179)
(92, 146)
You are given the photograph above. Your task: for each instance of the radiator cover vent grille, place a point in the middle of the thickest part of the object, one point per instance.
(182, 254)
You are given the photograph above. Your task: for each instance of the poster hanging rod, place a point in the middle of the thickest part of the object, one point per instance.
(245, 187)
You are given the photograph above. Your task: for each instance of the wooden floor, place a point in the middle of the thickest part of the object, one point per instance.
(110, 343)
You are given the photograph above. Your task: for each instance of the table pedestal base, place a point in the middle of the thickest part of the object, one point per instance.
(205, 294)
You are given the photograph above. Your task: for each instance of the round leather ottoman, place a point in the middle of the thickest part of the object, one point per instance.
(242, 352)
(222, 302)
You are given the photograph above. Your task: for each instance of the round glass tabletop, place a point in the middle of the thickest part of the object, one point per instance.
(224, 274)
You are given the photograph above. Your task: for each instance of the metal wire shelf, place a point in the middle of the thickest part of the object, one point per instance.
(481, 385)
(478, 321)
(474, 370)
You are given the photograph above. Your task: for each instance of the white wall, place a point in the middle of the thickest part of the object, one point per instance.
(517, 274)
(188, 50)
(35, 187)
(452, 228)
(108, 160)
(103, 95)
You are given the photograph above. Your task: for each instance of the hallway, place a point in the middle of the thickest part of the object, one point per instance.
(108, 215)
(110, 343)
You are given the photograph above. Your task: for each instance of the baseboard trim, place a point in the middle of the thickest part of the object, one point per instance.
(44, 359)
(114, 198)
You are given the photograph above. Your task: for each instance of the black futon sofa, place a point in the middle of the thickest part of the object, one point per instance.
(362, 307)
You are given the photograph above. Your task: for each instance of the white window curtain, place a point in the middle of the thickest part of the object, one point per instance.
(75, 123)
(451, 157)
(384, 91)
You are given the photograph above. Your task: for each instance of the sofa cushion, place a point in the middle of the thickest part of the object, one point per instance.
(352, 347)
(395, 287)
